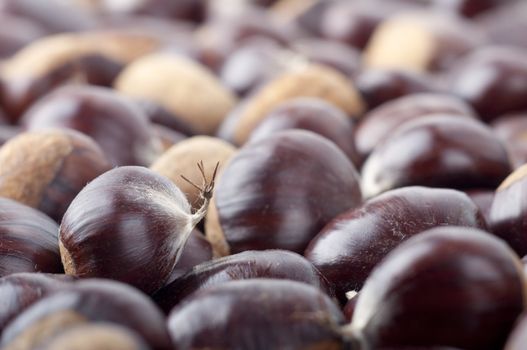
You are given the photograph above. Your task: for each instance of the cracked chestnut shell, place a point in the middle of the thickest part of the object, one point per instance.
(448, 286)
(116, 124)
(437, 151)
(129, 224)
(46, 169)
(279, 192)
(275, 264)
(88, 302)
(283, 315)
(351, 245)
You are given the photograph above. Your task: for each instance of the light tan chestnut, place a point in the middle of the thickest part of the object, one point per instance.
(182, 158)
(184, 88)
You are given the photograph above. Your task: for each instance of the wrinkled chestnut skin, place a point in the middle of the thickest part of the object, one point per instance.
(352, 244)
(28, 240)
(257, 314)
(508, 211)
(512, 129)
(116, 124)
(97, 301)
(276, 264)
(378, 86)
(315, 115)
(437, 151)
(448, 286)
(15, 33)
(493, 80)
(197, 250)
(21, 290)
(379, 123)
(518, 337)
(279, 192)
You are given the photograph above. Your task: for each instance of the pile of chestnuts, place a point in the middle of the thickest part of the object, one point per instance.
(263, 174)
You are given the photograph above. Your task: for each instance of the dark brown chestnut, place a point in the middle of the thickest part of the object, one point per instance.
(115, 123)
(159, 115)
(257, 314)
(379, 123)
(483, 199)
(28, 240)
(96, 337)
(437, 151)
(129, 224)
(275, 264)
(315, 115)
(507, 214)
(421, 41)
(171, 81)
(512, 129)
(46, 169)
(448, 286)
(21, 290)
(518, 337)
(88, 301)
(469, 8)
(352, 244)
(279, 192)
(350, 306)
(493, 80)
(378, 86)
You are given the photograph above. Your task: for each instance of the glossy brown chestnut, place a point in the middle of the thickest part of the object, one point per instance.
(469, 8)
(493, 80)
(421, 41)
(28, 240)
(279, 192)
(378, 86)
(115, 123)
(483, 199)
(129, 224)
(181, 159)
(352, 244)
(275, 264)
(379, 123)
(197, 250)
(46, 169)
(512, 129)
(96, 337)
(518, 337)
(507, 214)
(171, 81)
(449, 286)
(21, 290)
(315, 115)
(88, 301)
(350, 306)
(437, 151)
(257, 314)
(159, 115)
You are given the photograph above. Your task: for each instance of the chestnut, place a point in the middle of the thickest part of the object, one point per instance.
(7, 132)
(168, 137)
(96, 337)
(306, 81)
(448, 286)
(483, 198)
(512, 129)
(28, 240)
(311, 114)
(159, 115)
(470, 8)
(518, 337)
(16, 32)
(378, 86)
(85, 302)
(94, 58)
(181, 159)
(183, 87)
(21, 290)
(129, 224)
(379, 123)
(279, 192)
(508, 211)
(257, 314)
(116, 124)
(506, 24)
(437, 151)
(352, 244)
(276, 264)
(197, 250)
(46, 169)
(350, 306)
(310, 15)
(493, 80)
(420, 41)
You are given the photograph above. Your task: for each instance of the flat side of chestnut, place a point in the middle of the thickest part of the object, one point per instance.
(257, 314)
(276, 264)
(352, 244)
(279, 192)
